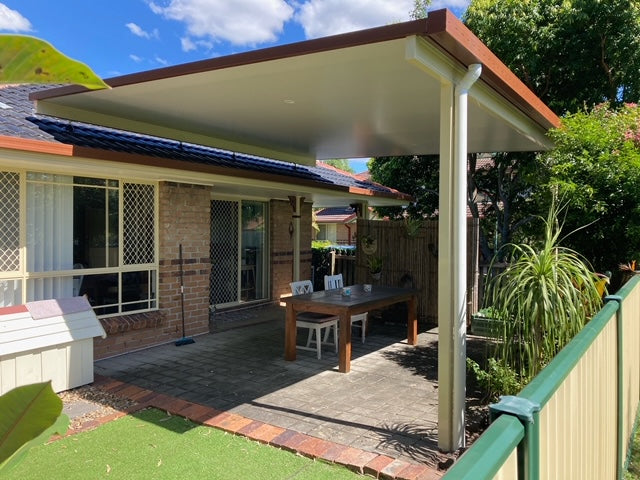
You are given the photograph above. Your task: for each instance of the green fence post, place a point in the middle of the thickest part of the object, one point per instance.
(620, 347)
(529, 449)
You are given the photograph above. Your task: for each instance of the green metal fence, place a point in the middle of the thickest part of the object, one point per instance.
(576, 418)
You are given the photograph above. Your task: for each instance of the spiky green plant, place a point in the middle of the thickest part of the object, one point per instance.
(546, 295)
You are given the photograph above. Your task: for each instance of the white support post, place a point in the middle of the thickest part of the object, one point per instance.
(452, 262)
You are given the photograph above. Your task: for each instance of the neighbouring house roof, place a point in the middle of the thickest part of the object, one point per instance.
(336, 215)
(366, 176)
(21, 122)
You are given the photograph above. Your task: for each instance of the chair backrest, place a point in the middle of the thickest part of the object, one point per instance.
(303, 286)
(331, 282)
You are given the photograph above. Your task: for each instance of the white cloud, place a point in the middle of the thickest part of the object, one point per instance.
(187, 44)
(135, 58)
(242, 22)
(320, 18)
(139, 32)
(161, 60)
(12, 20)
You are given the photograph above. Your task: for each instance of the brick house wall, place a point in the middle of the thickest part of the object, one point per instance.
(184, 218)
(282, 246)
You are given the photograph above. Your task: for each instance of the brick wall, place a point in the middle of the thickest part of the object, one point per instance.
(183, 219)
(282, 246)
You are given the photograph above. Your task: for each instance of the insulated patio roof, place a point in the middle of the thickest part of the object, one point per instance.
(370, 93)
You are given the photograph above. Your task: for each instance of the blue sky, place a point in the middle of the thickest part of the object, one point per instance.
(117, 37)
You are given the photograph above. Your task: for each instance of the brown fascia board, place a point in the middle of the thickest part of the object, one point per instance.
(63, 149)
(442, 27)
(453, 37)
(334, 42)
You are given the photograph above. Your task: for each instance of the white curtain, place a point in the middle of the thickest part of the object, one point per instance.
(50, 237)
(10, 293)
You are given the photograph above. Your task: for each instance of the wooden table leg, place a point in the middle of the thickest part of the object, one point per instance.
(290, 334)
(344, 343)
(412, 321)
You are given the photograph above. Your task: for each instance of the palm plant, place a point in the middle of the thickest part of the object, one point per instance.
(546, 295)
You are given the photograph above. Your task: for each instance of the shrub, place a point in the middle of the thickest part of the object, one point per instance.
(546, 295)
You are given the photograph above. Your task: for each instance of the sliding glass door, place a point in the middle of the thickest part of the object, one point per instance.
(239, 260)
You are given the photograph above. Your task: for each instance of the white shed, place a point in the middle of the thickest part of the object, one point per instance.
(48, 340)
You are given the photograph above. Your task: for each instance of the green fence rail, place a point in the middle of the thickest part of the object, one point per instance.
(491, 452)
(561, 387)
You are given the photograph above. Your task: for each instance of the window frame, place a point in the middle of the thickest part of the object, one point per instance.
(152, 269)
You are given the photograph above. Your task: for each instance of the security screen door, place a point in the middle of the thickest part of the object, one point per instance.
(238, 246)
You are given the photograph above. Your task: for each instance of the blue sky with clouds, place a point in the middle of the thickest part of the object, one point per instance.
(117, 37)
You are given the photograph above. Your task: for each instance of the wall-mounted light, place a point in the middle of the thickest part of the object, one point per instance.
(291, 229)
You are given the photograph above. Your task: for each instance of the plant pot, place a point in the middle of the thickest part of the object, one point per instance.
(486, 326)
(376, 276)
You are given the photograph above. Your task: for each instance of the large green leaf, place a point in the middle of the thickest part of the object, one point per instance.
(25, 59)
(30, 414)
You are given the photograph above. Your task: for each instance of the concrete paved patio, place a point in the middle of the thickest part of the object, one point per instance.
(387, 404)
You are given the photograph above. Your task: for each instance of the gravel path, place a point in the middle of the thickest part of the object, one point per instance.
(84, 405)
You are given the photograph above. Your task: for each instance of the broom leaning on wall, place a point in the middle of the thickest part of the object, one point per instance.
(184, 340)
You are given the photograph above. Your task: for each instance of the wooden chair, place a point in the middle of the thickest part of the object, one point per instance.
(315, 322)
(332, 282)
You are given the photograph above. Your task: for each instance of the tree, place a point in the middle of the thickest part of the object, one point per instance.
(596, 166)
(495, 186)
(416, 175)
(571, 53)
(500, 189)
(419, 9)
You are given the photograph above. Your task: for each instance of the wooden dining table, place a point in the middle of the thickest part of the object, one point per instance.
(334, 302)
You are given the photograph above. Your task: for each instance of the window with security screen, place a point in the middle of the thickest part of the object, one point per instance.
(84, 236)
(10, 288)
(10, 221)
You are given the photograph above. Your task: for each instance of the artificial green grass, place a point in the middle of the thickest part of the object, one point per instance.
(151, 444)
